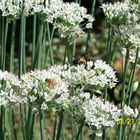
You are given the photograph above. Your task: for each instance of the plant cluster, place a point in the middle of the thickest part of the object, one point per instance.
(71, 89)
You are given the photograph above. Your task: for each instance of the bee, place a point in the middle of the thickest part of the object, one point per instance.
(81, 60)
(51, 83)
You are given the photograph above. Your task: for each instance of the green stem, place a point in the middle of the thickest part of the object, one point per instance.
(60, 126)
(129, 92)
(42, 128)
(54, 131)
(12, 47)
(14, 128)
(34, 40)
(22, 116)
(28, 123)
(88, 35)
(79, 131)
(5, 43)
(39, 47)
(124, 79)
(1, 122)
(32, 127)
(50, 38)
(123, 90)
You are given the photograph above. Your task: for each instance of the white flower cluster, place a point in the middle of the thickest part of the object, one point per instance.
(42, 88)
(129, 35)
(92, 76)
(9, 85)
(63, 15)
(129, 38)
(132, 55)
(95, 112)
(66, 17)
(11, 8)
(64, 87)
(121, 12)
(128, 111)
(99, 113)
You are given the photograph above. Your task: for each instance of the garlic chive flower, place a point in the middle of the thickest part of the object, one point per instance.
(42, 88)
(128, 35)
(128, 111)
(121, 12)
(132, 56)
(96, 113)
(93, 76)
(11, 8)
(9, 88)
(66, 17)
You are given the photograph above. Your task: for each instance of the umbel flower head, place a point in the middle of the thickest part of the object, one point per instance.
(121, 12)
(42, 88)
(66, 17)
(132, 55)
(95, 112)
(91, 76)
(128, 35)
(9, 88)
(11, 8)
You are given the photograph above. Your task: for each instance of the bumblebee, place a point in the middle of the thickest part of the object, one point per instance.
(81, 60)
(51, 83)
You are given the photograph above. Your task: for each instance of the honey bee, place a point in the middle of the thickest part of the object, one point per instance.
(51, 83)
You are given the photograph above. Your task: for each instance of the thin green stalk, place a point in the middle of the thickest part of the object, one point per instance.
(79, 131)
(123, 90)
(0, 31)
(32, 127)
(22, 116)
(22, 45)
(73, 132)
(13, 124)
(50, 37)
(42, 128)
(24, 49)
(5, 43)
(88, 35)
(60, 126)
(12, 47)
(8, 123)
(44, 47)
(28, 123)
(132, 77)
(1, 122)
(54, 130)
(124, 79)
(2, 43)
(34, 40)
(63, 134)
(109, 41)
(39, 47)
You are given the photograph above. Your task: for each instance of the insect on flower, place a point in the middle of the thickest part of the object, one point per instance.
(81, 60)
(51, 83)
